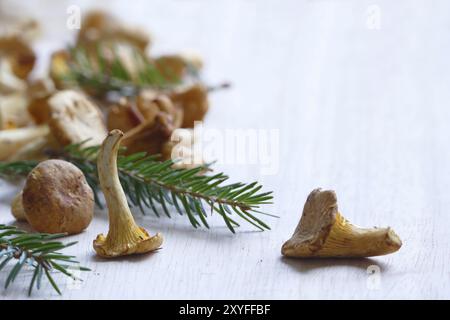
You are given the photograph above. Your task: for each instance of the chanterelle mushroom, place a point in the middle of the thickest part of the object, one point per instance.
(124, 116)
(124, 236)
(75, 119)
(194, 103)
(323, 232)
(19, 54)
(150, 103)
(149, 136)
(98, 25)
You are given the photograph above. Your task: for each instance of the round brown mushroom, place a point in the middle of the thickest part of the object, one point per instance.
(57, 198)
(17, 208)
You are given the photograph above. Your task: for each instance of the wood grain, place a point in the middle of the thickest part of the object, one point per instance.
(362, 111)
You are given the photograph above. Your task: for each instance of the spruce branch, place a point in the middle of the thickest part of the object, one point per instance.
(38, 251)
(150, 183)
(93, 72)
(100, 73)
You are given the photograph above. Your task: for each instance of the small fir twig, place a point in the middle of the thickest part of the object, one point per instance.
(98, 74)
(153, 184)
(93, 72)
(39, 251)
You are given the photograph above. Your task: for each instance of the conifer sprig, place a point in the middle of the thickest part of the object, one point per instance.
(99, 74)
(39, 251)
(157, 185)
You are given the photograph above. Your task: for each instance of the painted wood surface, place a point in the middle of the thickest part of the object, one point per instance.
(358, 92)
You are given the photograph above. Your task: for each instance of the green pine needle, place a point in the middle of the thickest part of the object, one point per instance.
(156, 185)
(93, 72)
(38, 251)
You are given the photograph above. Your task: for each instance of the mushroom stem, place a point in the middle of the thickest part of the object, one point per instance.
(346, 239)
(124, 235)
(116, 200)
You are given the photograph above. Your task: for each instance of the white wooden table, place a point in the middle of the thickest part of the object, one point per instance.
(359, 91)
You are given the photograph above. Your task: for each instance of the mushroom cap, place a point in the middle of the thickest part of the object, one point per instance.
(75, 119)
(57, 198)
(137, 241)
(150, 103)
(194, 103)
(99, 25)
(149, 136)
(172, 67)
(19, 53)
(17, 208)
(124, 116)
(319, 215)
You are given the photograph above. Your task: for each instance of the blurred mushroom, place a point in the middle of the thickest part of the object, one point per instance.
(9, 82)
(172, 68)
(75, 119)
(194, 103)
(100, 26)
(20, 56)
(13, 111)
(13, 140)
(124, 116)
(59, 67)
(192, 59)
(35, 150)
(40, 92)
(150, 103)
(20, 26)
(149, 136)
(127, 114)
(175, 67)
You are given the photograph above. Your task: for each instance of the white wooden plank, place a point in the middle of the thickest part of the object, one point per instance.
(359, 110)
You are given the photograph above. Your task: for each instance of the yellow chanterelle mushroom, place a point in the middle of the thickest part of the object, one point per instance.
(323, 232)
(124, 236)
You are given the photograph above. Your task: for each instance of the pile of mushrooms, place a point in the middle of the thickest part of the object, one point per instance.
(41, 116)
(38, 114)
